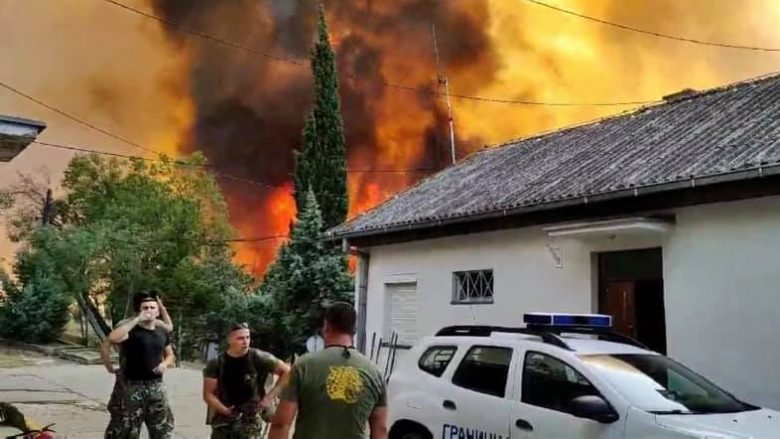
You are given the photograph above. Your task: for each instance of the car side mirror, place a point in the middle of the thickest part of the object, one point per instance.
(593, 407)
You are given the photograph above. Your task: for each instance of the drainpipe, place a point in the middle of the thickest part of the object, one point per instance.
(362, 298)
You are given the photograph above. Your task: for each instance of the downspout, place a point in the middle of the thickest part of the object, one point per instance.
(362, 298)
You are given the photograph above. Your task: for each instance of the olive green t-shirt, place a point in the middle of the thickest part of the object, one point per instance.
(335, 394)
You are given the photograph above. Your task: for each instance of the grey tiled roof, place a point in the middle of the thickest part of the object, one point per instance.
(715, 132)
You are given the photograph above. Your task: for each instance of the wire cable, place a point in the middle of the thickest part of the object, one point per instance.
(652, 33)
(432, 93)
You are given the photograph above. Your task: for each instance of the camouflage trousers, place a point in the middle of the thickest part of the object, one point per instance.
(143, 403)
(244, 428)
(116, 407)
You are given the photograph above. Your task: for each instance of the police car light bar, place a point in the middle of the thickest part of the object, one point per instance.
(559, 319)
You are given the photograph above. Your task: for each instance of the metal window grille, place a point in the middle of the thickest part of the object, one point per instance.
(472, 286)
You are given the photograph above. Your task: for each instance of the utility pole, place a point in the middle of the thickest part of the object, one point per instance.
(445, 90)
(47, 206)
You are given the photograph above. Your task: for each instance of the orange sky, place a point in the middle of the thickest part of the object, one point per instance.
(122, 72)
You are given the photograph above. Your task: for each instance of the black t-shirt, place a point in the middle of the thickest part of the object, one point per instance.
(142, 352)
(237, 375)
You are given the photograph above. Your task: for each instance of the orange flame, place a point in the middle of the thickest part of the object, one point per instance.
(139, 85)
(265, 230)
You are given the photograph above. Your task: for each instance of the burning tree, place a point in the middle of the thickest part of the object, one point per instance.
(322, 162)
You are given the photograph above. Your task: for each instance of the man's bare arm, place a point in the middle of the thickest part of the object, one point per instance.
(378, 423)
(105, 356)
(168, 358)
(283, 419)
(120, 333)
(282, 371)
(211, 399)
(166, 322)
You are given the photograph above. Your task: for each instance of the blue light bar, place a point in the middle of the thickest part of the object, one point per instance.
(579, 320)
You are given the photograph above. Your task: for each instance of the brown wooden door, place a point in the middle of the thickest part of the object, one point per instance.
(618, 300)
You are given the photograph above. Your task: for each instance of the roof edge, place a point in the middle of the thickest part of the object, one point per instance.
(672, 98)
(23, 121)
(693, 182)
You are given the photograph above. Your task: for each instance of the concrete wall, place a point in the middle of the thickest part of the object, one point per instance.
(721, 284)
(722, 277)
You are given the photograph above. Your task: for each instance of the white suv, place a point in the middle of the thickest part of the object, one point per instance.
(560, 377)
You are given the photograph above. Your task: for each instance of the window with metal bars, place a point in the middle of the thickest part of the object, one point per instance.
(472, 287)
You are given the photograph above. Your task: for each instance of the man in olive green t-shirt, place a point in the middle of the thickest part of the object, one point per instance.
(337, 392)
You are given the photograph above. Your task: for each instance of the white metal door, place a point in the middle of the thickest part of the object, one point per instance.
(401, 313)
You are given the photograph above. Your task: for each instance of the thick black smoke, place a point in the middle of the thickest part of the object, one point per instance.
(250, 109)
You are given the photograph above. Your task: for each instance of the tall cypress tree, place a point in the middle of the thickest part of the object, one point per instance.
(321, 164)
(306, 275)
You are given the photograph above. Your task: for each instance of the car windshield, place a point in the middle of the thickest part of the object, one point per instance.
(659, 385)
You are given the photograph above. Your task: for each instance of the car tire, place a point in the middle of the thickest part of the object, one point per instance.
(410, 430)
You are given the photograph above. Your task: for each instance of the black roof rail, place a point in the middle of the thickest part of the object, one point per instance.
(548, 334)
(485, 331)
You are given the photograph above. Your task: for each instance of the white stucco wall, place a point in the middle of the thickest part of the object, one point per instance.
(722, 286)
(722, 277)
(525, 275)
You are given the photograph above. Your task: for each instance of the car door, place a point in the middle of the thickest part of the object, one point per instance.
(547, 385)
(476, 401)
(416, 392)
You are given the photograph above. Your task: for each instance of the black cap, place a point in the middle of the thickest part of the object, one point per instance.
(143, 296)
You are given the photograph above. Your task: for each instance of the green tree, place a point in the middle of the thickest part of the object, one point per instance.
(53, 268)
(134, 225)
(306, 275)
(168, 227)
(321, 164)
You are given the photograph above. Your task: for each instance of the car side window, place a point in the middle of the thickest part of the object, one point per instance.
(435, 359)
(552, 384)
(484, 369)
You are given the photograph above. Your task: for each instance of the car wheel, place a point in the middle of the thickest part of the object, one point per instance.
(410, 431)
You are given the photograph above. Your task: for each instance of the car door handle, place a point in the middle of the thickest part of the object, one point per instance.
(524, 425)
(449, 405)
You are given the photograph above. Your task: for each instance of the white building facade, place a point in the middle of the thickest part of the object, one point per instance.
(720, 273)
(667, 218)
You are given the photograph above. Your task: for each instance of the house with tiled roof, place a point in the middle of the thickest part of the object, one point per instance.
(666, 217)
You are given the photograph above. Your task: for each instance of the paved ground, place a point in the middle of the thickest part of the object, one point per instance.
(74, 396)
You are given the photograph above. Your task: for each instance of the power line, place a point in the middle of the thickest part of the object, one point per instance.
(175, 162)
(195, 165)
(74, 118)
(204, 35)
(431, 93)
(391, 171)
(151, 150)
(116, 137)
(653, 33)
(257, 238)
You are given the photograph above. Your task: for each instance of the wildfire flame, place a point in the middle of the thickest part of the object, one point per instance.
(245, 112)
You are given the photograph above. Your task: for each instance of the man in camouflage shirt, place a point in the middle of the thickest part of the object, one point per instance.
(146, 354)
(234, 387)
(337, 392)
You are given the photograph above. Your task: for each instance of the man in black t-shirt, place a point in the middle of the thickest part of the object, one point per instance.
(115, 404)
(146, 353)
(234, 387)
